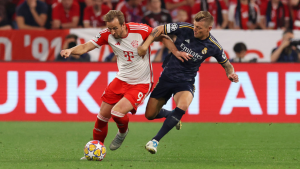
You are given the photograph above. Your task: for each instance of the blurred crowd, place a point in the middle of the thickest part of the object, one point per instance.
(228, 14)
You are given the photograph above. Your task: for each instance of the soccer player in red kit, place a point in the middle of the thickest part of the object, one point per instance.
(65, 15)
(94, 14)
(133, 81)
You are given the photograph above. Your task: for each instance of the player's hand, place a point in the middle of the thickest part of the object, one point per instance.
(183, 56)
(65, 53)
(233, 77)
(142, 51)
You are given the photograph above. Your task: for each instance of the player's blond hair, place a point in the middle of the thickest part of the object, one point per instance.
(204, 16)
(112, 14)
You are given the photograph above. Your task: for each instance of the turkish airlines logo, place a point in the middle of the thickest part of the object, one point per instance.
(135, 43)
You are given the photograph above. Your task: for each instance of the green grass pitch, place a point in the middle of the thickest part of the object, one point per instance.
(43, 145)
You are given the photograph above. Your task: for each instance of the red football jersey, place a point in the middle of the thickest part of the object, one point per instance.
(272, 23)
(173, 12)
(296, 18)
(95, 19)
(130, 14)
(212, 9)
(244, 15)
(58, 13)
(133, 69)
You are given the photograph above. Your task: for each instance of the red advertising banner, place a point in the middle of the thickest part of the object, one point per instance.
(71, 92)
(31, 45)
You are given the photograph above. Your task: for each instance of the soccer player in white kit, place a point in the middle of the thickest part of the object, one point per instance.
(133, 81)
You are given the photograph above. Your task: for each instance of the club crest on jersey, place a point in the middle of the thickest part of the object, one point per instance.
(204, 51)
(135, 43)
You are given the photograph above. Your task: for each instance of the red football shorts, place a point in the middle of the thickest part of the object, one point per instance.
(118, 89)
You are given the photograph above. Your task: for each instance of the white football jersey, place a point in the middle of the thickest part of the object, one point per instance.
(133, 69)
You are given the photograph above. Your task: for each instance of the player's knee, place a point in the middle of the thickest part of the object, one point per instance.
(183, 106)
(150, 116)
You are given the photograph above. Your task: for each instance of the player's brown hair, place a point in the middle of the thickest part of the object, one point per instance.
(112, 14)
(204, 16)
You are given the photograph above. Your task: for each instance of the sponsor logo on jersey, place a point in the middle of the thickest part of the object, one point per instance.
(195, 55)
(204, 51)
(135, 43)
(118, 43)
(187, 40)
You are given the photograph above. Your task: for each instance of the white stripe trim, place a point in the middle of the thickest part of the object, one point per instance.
(187, 25)
(102, 118)
(216, 42)
(146, 30)
(137, 26)
(118, 114)
(95, 43)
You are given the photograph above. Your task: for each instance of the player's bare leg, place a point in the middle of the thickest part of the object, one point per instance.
(153, 107)
(183, 100)
(154, 110)
(101, 124)
(119, 114)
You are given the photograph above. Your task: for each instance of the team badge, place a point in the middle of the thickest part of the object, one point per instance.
(204, 51)
(135, 43)
(174, 26)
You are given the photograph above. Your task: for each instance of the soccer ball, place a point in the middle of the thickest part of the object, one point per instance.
(94, 150)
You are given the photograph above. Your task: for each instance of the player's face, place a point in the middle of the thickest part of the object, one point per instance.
(201, 30)
(116, 29)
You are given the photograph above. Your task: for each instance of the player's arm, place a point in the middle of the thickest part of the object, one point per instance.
(168, 42)
(230, 72)
(156, 32)
(78, 50)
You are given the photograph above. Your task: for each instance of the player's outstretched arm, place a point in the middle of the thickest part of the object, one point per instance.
(230, 72)
(156, 32)
(168, 42)
(78, 50)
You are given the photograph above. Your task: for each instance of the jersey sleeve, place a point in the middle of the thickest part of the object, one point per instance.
(286, 12)
(176, 28)
(101, 38)
(224, 7)
(55, 13)
(263, 9)
(43, 8)
(231, 13)
(76, 9)
(221, 56)
(145, 31)
(86, 16)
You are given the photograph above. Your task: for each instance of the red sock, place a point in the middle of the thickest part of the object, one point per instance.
(100, 129)
(121, 120)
